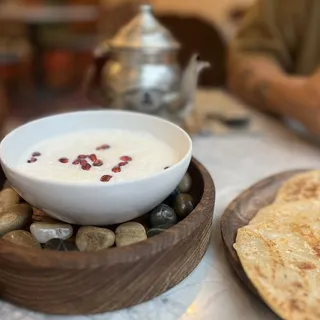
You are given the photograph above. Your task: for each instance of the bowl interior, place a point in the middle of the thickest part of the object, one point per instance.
(20, 139)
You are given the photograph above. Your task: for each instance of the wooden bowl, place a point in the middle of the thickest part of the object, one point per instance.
(93, 282)
(242, 209)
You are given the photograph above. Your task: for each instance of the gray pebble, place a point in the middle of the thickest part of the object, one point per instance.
(8, 198)
(129, 233)
(16, 217)
(44, 231)
(183, 205)
(162, 216)
(154, 231)
(60, 245)
(94, 238)
(185, 183)
(22, 238)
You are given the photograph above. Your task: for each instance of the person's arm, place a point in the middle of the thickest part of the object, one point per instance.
(260, 57)
(261, 82)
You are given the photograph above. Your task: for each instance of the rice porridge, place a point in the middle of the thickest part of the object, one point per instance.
(98, 155)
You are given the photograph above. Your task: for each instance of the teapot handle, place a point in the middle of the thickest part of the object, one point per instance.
(92, 82)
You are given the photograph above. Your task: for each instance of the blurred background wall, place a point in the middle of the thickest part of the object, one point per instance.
(217, 12)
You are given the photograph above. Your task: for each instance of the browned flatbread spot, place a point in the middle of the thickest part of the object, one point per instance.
(306, 266)
(297, 284)
(303, 186)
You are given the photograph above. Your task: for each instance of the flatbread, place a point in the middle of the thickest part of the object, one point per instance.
(282, 260)
(280, 212)
(303, 186)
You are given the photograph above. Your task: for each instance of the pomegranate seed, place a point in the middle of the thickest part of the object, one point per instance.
(126, 158)
(77, 161)
(98, 163)
(116, 169)
(86, 167)
(93, 157)
(64, 160)
(103, 147)
(105, 178)
(82, 156)
(121, 164)
(32, 160)
(36, 154)
(83, 162)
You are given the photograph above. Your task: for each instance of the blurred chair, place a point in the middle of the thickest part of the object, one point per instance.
(4, 108)
(15, 58)
(15, 71)
(198, 36)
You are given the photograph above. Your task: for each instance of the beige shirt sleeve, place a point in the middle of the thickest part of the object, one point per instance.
(271, 28)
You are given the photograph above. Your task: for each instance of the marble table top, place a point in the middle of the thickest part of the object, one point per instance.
(212, 291)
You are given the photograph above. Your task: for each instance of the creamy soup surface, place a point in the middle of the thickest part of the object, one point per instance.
(99, 155)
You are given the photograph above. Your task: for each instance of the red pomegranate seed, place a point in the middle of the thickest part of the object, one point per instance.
(64, 160)
(121, 164)
(126, 158)
(32, 160)
(36, 154)
(86, 167)
(103, 147)
(82, 156)
(116, 169)
(98, 163)
(83, 162)
(93, 157)
(77, 161)
(105, 178)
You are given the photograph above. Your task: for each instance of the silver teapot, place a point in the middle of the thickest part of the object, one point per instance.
(138, 70)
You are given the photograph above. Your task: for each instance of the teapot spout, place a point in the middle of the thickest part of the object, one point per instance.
(183, 104)
(190, 76)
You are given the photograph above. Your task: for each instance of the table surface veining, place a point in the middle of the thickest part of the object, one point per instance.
(212, 291)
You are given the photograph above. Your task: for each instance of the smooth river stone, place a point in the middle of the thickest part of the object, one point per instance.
(16, 217)
(60, 245)
(185, 183)
(154, 231)
(162, 216)
(129, 233)
(44, 231)
(8, 198)
(22, 238)
(183, 205)
(94, 238)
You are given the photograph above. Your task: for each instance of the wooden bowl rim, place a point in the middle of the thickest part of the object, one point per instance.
(225, 218)
(92, 260)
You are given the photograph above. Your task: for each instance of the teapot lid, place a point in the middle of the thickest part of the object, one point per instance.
(144, 31)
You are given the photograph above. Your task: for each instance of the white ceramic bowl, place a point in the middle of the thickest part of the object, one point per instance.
(94, 203)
